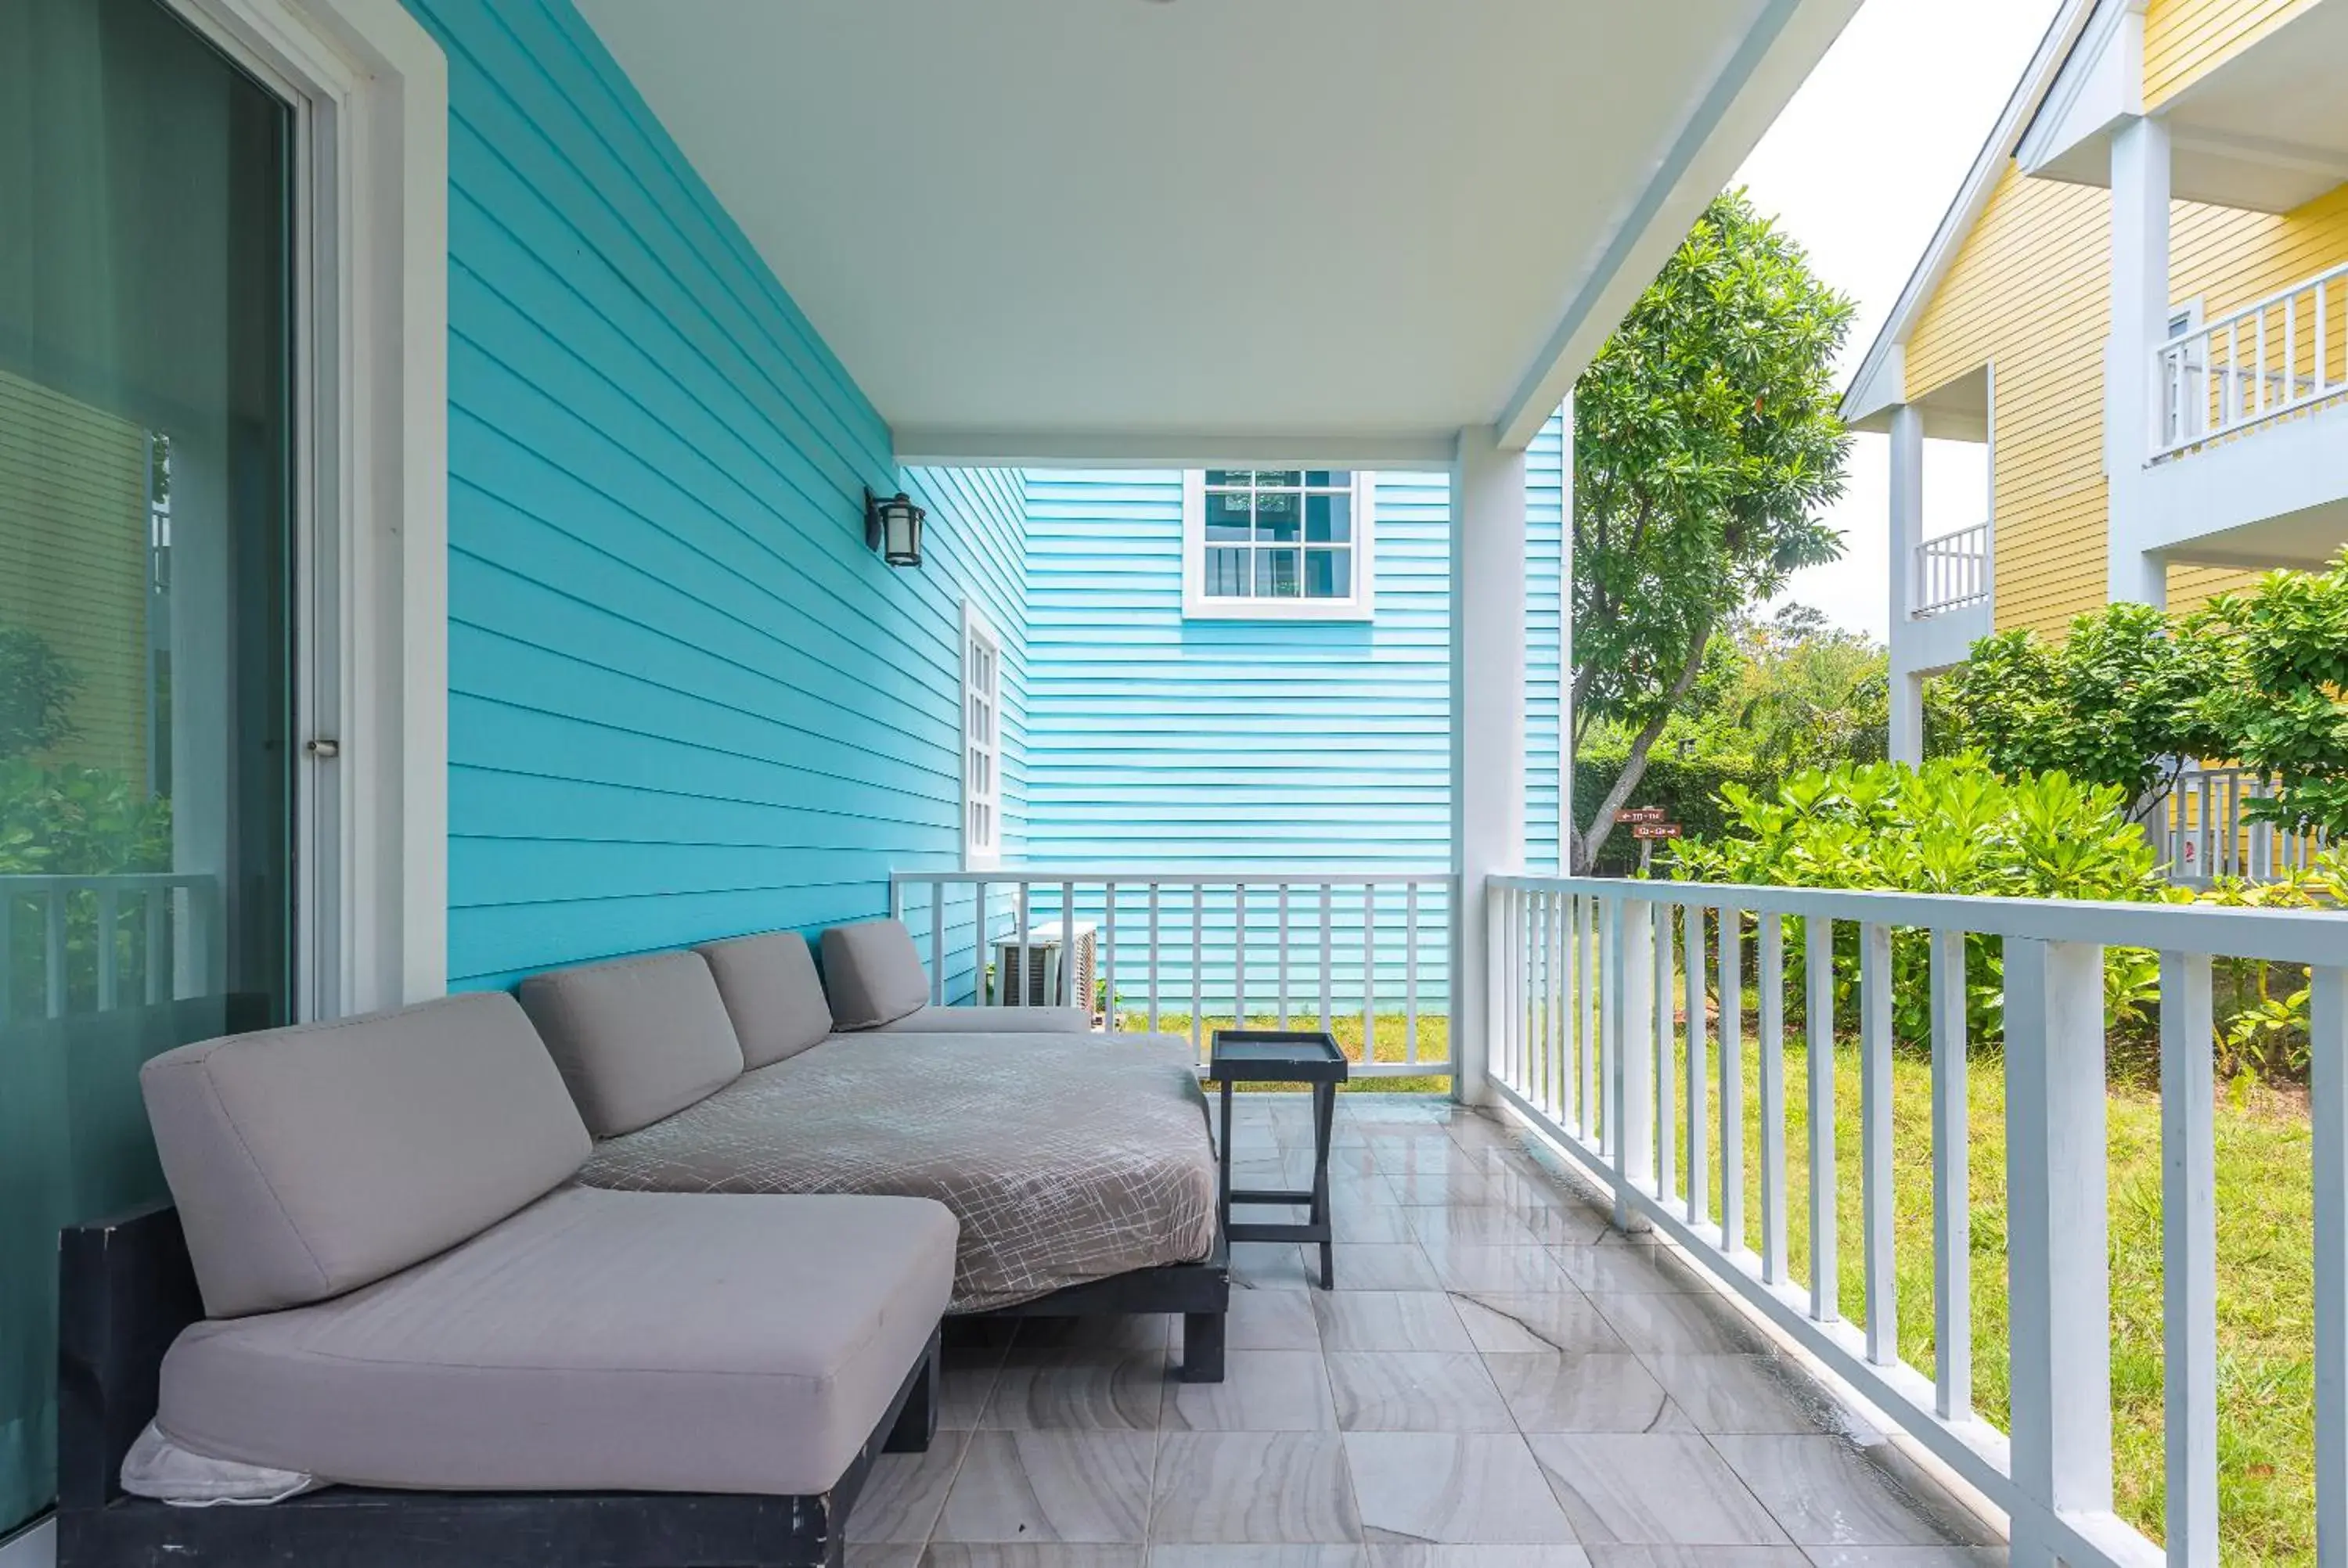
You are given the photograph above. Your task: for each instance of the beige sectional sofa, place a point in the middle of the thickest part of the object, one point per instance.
(1068, 1158)
(639, 1269)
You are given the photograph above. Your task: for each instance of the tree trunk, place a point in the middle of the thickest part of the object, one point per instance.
(1634, 765)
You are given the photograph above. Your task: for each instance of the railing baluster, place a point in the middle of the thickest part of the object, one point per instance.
(2188, 1268)
(937, 944)
(1067, 943)
(1369, 973)
(1198, 967)
(1631, 970)
(53, 952)
(1153, 958)
(1818, 975)
(2327, 1094)
(1953, 1302)
(1560, 1045)
(1282, 942)
(2058, 1263)
(1328, 955)
(1771, 939)
(1732, 1080)
(1238, 955)
(1692, 983)
(1410, 972)
(1108, 967)
(978, 944)
(1586, 938)
(1875, 1170)
(1664, 1080)
(1017, 987)
(108, 912)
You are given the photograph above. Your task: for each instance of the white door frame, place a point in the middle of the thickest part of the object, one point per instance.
(369, 90)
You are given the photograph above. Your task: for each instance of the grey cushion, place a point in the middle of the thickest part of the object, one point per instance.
(597, 1341)
(990, 1021)
(771, 993)
(637, 1038)
(309, 1162)
(872, 973)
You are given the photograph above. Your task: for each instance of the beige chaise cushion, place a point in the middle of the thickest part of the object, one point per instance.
(309, 1162)
(637, 1038)
(772, 994)
(872, 973)
(597, 1341)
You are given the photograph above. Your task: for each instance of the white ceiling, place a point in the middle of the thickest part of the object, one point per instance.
(1039, 229)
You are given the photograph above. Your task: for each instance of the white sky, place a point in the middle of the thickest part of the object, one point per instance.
(1859, 169)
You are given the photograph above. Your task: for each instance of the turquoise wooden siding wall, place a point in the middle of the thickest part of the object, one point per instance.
(1157, 742)
(684, 699)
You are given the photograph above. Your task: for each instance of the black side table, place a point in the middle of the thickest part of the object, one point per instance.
(1281, 1056)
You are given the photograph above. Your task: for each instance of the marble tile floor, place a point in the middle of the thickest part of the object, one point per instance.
(1499, 1381)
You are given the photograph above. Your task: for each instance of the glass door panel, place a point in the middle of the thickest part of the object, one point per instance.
(146, 786)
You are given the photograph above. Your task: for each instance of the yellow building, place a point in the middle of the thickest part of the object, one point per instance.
(2139, 301)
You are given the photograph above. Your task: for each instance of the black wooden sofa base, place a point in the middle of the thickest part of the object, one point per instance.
(126, 1291)
(1201, 1292)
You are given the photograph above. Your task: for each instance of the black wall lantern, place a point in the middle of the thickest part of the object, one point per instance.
(892, 525)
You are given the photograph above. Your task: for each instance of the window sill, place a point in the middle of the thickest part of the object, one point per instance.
(1261, 610)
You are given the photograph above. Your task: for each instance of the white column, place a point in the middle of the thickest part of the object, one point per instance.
(2139, 322)
(1565, 652)
(1907, 511)
(1488, 723)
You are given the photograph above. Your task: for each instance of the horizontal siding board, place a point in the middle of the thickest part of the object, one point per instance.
(685, 699)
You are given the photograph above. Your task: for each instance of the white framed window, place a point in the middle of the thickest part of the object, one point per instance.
(1278, 544)
(981, 740)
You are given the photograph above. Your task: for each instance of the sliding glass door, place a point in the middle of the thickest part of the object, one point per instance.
(146, 628)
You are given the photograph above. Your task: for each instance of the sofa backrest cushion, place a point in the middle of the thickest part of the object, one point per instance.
(872, 973)
(637, 1038)
(771, 993)
(308, 1161)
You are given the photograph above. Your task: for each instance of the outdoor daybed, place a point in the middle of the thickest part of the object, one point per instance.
(408, 1302)
(1079, 1166)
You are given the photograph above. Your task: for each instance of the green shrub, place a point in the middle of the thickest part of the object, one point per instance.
(1951, 827)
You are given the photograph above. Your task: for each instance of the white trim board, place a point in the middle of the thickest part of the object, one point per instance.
(1358, 606)
(370, 92)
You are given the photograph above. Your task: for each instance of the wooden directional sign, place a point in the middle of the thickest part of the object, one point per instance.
(1655, 830)
(1635, 813)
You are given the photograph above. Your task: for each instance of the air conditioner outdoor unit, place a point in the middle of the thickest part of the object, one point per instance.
(1035, 978)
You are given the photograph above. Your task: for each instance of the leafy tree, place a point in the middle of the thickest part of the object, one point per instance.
(2122, 702)
(1705, 443)
(37, 693)
(2284, 709)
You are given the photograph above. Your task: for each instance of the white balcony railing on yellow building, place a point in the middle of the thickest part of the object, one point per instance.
(1953, 570)
(2280, 355)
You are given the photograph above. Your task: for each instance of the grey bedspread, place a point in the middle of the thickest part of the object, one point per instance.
(1066, 1158)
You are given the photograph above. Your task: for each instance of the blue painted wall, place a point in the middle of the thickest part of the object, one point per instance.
(684, 699)
(1323, 746)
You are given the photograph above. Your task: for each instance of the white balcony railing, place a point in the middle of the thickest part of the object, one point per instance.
(1953, 570)
(84, 944)
(1371, 948)
(2204, 832)
(1603, 1042)
(2282, 353)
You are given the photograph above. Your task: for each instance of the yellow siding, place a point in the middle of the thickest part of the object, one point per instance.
(2029, 293)
(73, 559)
(2184, 39)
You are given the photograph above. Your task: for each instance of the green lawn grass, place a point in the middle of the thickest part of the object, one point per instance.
(2265, 1274)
